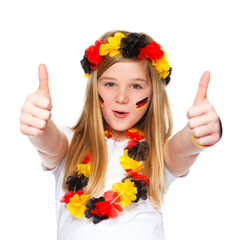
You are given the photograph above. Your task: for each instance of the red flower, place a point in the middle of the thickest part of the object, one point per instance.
(68, 195)
(137, 176)
(152, 51)
(109, 207)
(134, 135)
(87, 158)
(130, 144)
(92, 54)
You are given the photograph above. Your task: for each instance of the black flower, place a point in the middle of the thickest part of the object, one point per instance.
(76, 183)
(85, 64)
(138, 152)
(90, 206)
(168, 78)
(131, 44)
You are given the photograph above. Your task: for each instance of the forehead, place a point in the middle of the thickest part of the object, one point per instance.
(128, 69)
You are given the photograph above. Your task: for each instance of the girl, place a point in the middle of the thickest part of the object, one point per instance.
(114, 166)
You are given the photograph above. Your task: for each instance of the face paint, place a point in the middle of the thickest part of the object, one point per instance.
(142, 104)
(100, 100)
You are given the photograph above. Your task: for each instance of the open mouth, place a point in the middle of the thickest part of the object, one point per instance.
(119, 114)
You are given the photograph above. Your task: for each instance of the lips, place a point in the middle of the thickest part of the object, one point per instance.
(119, 114)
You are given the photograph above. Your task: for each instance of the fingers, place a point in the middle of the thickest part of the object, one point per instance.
(43, 81)
(43, 112)
(35, 115)
(39, 101)
(32, 121)
(204, 124)
(202, 88)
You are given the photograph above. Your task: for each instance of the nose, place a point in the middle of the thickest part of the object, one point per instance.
(121, 96)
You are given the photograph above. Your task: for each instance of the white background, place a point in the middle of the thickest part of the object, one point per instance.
(197, 35)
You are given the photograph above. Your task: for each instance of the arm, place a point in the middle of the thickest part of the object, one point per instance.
(52, 145)
(36, 123)
(204, 125)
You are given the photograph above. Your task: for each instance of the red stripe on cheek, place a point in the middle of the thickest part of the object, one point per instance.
(142, 102)
(100, 99)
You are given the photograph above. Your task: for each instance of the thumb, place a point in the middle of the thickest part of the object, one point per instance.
(43, 81)
(202, 88)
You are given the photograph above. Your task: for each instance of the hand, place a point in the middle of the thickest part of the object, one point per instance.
(36, 111)
(203, 122)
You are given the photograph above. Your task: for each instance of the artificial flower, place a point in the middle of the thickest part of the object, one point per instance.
(137, 176)
(68, 195)
(137, 151)
(86, 65)
(76, 183)
(84, 169)
(87, 158)
(135, 134)
(141, 190)
(92, 54)
(113, 45)
(131, 44)
(126, 191)
(89, 212)
(152, 51)
(162, 66)
(76, 205)
(107, 134)
(131, 143)
(129, 163)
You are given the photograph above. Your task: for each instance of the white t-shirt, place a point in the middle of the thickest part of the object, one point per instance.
(137, 221)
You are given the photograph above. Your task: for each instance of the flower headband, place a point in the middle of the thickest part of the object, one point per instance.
(131, 46)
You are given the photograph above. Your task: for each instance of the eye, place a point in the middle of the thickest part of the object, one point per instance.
(110, 84)
(136, 86)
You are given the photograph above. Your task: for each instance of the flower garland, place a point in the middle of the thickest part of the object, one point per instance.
(132, 187)
(131, 46)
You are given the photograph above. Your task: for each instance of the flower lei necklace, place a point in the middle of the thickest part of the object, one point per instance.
(131, 46)
(132, 187)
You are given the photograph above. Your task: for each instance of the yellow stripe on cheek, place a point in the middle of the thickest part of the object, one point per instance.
(141, 107)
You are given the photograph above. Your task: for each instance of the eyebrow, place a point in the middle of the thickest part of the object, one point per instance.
(107, 78)
(114, 79)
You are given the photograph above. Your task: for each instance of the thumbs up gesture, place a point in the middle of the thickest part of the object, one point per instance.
(36, 111)
(203, 122)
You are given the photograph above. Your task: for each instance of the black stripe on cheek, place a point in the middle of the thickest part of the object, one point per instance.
(142, 101)
(100, 99)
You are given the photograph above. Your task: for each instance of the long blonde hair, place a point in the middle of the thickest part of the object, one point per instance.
(89, 135)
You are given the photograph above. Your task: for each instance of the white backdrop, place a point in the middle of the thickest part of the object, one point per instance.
(197, 35)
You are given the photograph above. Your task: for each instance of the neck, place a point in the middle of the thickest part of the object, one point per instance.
(118, 136)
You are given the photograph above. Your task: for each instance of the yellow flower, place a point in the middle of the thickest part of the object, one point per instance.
(126, 191)
(112, 46)
(86, 75)
(83, 169)
(162, 66)
(129, 163)
(76, 205)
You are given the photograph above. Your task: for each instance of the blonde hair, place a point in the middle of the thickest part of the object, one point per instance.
(89, 136)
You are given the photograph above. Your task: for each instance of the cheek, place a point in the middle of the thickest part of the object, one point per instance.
(142, 104)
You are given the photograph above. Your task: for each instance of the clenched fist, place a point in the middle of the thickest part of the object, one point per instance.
(36, 111)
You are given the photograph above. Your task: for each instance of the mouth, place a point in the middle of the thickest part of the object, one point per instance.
(119, 114)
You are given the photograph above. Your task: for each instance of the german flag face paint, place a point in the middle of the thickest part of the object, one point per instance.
(100, 100)
(142, 104)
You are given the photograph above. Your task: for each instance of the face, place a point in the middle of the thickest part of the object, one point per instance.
(125, 93)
